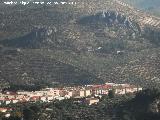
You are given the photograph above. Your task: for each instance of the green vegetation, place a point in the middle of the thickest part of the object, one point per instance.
(153, 35)
(111, 93)
(145, 106)
(52, 46)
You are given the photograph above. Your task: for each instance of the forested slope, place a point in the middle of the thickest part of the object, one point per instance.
(83, 43)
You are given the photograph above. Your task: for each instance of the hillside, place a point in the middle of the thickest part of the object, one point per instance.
(151, 6)
(90, 42)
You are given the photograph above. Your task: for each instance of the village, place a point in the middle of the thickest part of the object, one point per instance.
(91, 94)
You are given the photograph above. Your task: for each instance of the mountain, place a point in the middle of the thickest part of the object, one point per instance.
(90, 42)
(152, 6)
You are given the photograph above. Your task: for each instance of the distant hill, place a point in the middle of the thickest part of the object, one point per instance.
(152, 6)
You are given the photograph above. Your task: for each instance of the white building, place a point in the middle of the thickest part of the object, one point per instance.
(87, 93)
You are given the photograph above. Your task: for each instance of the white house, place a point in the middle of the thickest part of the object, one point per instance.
(7, 115)
(3, 110)
(14, 100)
(60, 98)
(87, 92)
(82, 93)
(50, 98)
(7, 101)
(91, 101)
(43, 98)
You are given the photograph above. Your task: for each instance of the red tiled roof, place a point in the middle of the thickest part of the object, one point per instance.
(35, 97)
(101, 86)
(6, 99)
(5, 109)
(12, 99)
(1, 99)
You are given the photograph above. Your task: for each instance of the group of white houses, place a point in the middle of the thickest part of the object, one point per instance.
(50, 94)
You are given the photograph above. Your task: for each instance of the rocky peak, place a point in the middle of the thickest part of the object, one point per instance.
(38, 36)
(111, 18)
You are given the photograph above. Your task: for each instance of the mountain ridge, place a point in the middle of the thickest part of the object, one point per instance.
(101, 52)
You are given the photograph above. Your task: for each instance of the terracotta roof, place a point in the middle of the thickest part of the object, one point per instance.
(35, 98)
(101, 86)
(1, 109)
(1, 99)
